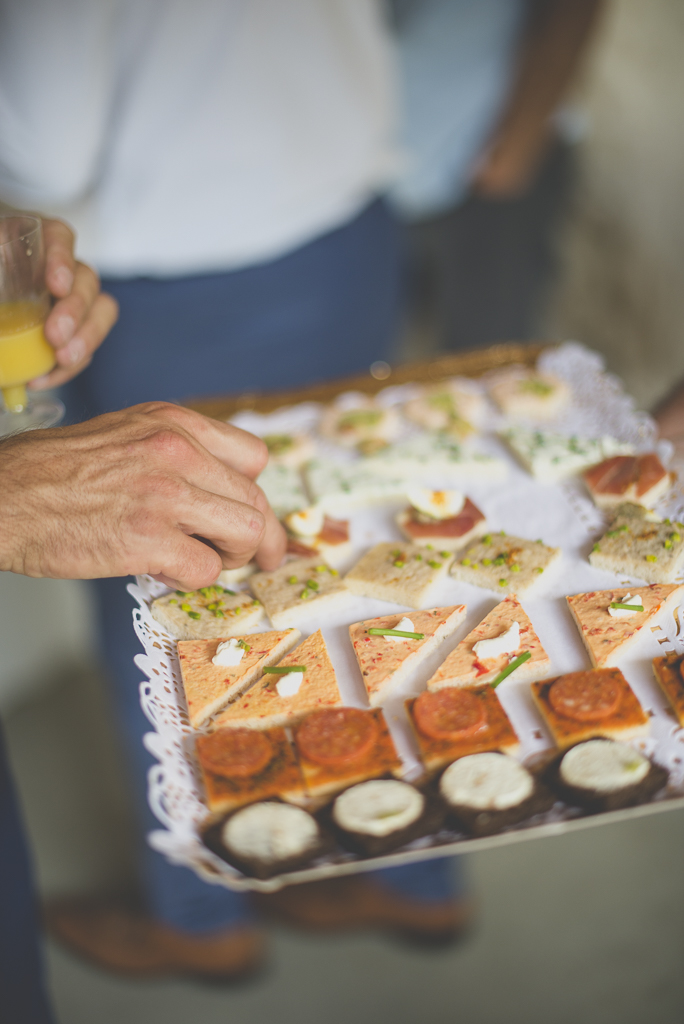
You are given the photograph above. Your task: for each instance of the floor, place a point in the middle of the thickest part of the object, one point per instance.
(587, 927)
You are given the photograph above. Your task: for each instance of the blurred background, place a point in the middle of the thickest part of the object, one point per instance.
(584, 927)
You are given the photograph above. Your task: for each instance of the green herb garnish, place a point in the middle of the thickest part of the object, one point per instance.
(516, 663)
(396, 632)
(627, 607)
(434, 564)
(284, 670)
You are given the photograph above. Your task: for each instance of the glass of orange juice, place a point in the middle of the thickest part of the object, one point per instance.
(24, 306)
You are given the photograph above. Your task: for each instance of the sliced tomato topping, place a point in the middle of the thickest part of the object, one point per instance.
(335, 736)
(449, 714)
(650, 472)
(587, 696)
(335, 531)
(234, 753)
(455, 526)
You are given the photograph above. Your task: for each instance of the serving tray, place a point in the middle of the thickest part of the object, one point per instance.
(561, 514)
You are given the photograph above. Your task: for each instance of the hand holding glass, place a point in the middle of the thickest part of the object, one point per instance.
(24, 306)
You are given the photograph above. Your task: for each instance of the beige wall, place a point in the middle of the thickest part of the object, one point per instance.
(622, 285)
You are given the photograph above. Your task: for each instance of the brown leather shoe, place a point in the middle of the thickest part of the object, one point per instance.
(117, 938)
(357, 903)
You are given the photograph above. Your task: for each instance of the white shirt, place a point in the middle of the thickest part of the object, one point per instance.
(189, 136)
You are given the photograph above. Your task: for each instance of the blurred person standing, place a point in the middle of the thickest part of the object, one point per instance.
(223, 163)
(488, 164)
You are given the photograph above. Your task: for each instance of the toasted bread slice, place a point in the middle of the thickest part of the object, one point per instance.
(384, 661)
(668, 673)
(521, 391)
(495, 733)
(463, 667)
(550, 457)
(617, 715)
(209, 687)
(639, 479)
(377, 759)
(641, 545)
(263, 707)
(275, 774)
(504, 564)
(404, 574)
(299, 591)
(607, 637)
(207, 614)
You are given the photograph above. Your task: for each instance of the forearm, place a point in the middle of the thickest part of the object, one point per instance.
(556, 37)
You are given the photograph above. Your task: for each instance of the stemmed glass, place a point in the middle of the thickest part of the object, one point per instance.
(24, 306)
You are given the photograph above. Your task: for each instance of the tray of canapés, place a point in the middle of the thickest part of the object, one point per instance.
(432, 757)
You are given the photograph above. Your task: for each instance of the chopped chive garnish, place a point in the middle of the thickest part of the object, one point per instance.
(186, 608)
(502, 533)
(396, 632)
(651, 558)
(675, 537)
(173, 601)
(627, 607)
(233, 593)
(292, 579)
(596, 547)
(445, 554)
(320, 568)
(486, 561)
(430, 547)
(245, 647)
(218, 614)
(515, 567)
(238, 610)
(667, 544)
(539, 541)
(466, 561)
(398, 564)
(333, 572)
(487, 539)
(516, 663)
(434, 564)
(418, 558)
(284, 670)
(503, 583)
(539, 569)
(194, 615)
(312, 584)
(305, 594)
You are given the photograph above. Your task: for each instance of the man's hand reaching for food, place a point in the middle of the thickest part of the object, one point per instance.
(133, 492)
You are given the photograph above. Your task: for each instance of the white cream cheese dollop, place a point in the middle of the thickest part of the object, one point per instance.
(486, 782)
(622, 613)
(604, 766)
(404, 626)
(505, 643)
(228, 654)
(436, 504)
(378, 808)
(288, 685)
(270, 832)
(308, 522)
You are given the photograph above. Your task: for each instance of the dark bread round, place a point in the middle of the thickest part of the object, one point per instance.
(429, 822)
(593, 800)
(211, 836)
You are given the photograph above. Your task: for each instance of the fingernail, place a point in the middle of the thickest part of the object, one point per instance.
(63, 278)
(66, 327)
(74, 352)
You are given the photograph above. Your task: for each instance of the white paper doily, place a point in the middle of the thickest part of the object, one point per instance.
(563, 515)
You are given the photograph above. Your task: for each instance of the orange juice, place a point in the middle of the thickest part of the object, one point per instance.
(24, 352)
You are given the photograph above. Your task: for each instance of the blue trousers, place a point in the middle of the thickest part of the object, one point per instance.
(326, 310)
(22, 993)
